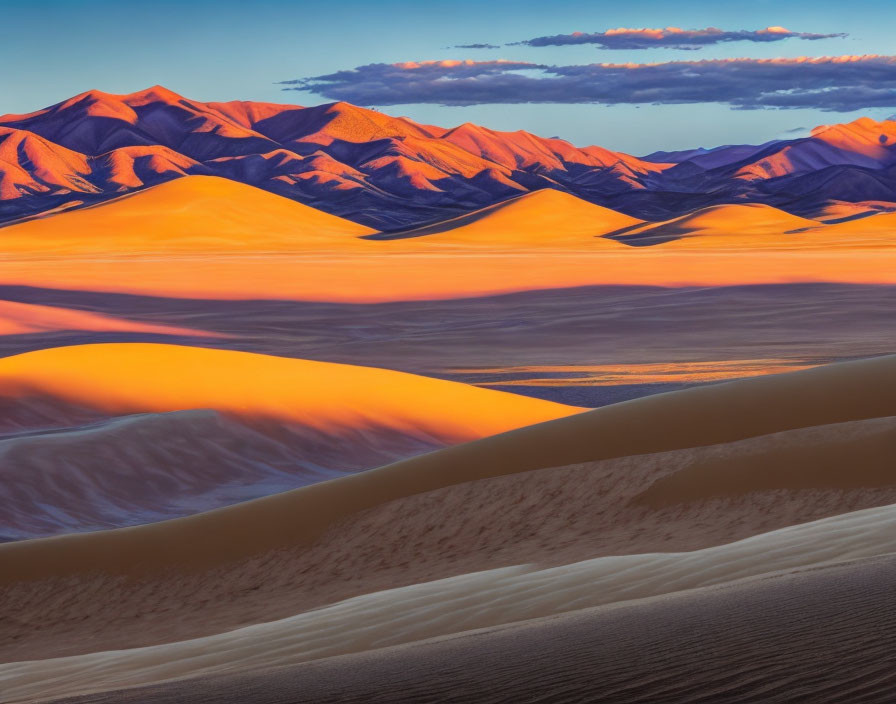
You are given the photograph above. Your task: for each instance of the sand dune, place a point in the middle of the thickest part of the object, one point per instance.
(693, 417)
(138, 378)
(542, 218)
(189, 214)
(462, 603)
(823, 634)
(742, 224)
(101, 436)
(469, 508)
(880, 223)
(125, 470)
(843, 211)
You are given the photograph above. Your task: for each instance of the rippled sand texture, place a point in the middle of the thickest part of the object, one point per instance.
(664, 497)
(250, 451)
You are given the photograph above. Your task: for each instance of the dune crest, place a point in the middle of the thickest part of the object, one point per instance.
(144, 377)
(543, 218)
(190, 214)
(694, 417)
(456, 605)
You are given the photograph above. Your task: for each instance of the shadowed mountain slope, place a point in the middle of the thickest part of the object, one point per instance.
(391, 173)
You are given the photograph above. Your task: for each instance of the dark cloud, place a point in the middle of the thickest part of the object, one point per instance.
(672, 37)
(837, 84)
(475, 46)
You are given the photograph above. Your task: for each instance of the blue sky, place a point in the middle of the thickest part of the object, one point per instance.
(223, 50)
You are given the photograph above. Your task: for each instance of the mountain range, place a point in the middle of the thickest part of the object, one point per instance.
(391, 174)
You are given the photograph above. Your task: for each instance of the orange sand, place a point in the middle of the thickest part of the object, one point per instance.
(133, 378)
(213, 238)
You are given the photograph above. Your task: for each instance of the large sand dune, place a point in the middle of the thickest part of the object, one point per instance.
(476, 507)
(462, 603)
(822, 634)
(545, 218)
(191, 214)
(100, 436)
(230, 241)
(694, 417)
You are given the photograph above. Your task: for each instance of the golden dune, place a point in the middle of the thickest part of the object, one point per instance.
(206, 237)
(135, 378)
(545, 218)
(192, 214)
(708, 415)
(749, 224)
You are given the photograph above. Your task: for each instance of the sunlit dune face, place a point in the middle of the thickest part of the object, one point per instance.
(623, 374)
(205, 237)
(134, 378)
(196, 214)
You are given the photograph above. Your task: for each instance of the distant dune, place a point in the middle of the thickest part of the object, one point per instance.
(195, 214)
(545, 218)
(746, 225)
(205, 237)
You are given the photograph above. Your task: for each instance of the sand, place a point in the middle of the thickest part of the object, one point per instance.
(277, 557)
(463, 603)
(693, 417)
(822, 634)
(212, 238)
(139, 378)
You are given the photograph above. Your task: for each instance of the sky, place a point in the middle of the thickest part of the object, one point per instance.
(554, 86)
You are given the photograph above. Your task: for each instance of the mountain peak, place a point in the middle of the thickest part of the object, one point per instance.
(153, 94)
(401, 173)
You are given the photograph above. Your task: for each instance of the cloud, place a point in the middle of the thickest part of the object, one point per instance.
(475, 46)
(831, 83)
(672, 37)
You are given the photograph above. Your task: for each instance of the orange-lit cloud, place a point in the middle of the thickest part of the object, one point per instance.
(833, 83)
(672, 37)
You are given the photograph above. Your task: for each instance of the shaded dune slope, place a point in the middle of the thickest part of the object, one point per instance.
(468, 602)
(689, 418)
(543, 217)
(102, 436)
(619, 654)
(468, 508)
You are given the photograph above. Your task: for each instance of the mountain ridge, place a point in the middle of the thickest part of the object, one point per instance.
(393, 174)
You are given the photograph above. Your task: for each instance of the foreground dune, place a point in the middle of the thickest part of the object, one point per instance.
(689, 418)
(475, 507)
(830, 630)
(462, 603)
